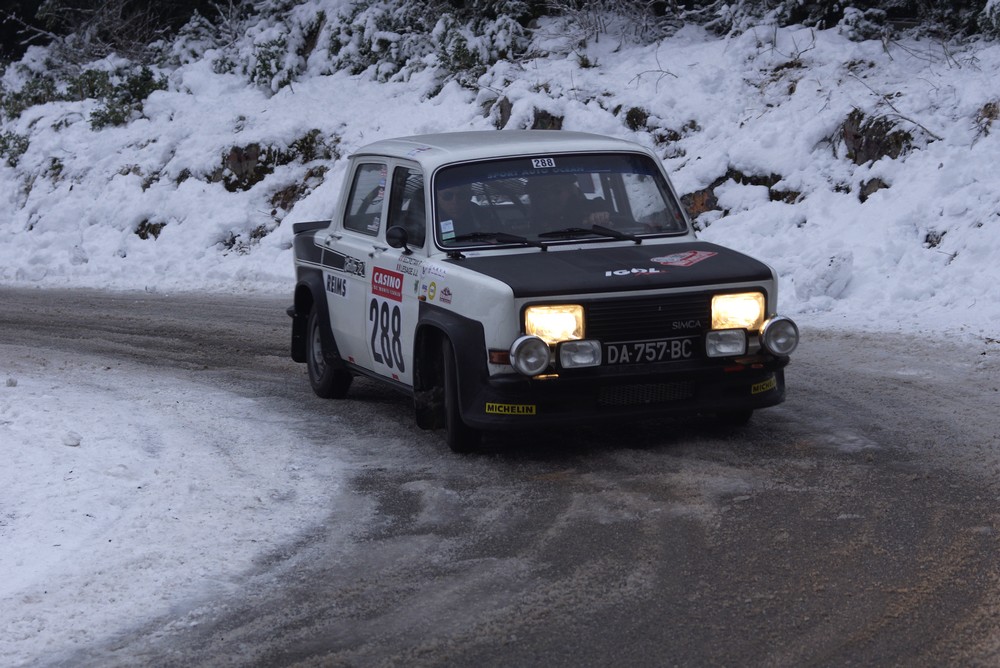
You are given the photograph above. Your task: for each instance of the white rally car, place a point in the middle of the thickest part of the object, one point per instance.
(513, 279)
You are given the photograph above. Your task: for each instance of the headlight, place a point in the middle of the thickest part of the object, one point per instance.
(553, 324)
(530, 355)
(740, 311)
(780, 336)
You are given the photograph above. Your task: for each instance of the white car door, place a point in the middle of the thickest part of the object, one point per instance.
(392, 302)
(347, 258)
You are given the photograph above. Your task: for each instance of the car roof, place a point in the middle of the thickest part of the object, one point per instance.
(435, 150)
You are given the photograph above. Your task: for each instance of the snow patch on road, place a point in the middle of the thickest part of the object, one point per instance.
(127, 493)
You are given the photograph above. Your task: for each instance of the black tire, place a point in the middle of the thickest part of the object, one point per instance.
(461, 438)
(428, 407)
(327, 380)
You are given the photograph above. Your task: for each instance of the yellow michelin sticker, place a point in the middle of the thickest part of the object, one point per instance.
(764, 386)
(510, 409)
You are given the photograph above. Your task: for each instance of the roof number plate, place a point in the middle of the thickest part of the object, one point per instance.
(543, 163)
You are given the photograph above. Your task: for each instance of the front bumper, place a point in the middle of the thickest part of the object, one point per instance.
(511, 401)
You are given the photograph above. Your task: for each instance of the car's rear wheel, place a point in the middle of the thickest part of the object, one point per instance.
(327, 380)
(460, 437)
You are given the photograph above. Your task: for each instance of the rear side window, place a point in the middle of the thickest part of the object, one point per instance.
(406, 207)
(367, 198)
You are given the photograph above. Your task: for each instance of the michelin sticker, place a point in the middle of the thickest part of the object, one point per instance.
(511, 409)
(759, 388)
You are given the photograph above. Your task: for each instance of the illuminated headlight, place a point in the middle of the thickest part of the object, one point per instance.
(780, 336)
(530, 355)
(574, 354)
(553, 324)
(740, 311)
(726, 343)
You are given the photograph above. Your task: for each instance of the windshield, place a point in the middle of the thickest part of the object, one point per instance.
(547, 199)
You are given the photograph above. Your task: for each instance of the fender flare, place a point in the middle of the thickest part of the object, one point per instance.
(310, 292)
(468, 340)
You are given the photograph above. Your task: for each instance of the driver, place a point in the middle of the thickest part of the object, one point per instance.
(557, 202)
(457, 214)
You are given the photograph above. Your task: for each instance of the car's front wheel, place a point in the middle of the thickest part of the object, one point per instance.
(327, 380)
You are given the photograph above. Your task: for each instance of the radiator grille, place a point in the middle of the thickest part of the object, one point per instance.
(648, 318)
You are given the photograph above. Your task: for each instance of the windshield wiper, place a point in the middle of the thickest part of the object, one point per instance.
(570, 232)
(500, 238)
(607, 231)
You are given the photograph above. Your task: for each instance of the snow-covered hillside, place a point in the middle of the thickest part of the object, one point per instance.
(759, 124)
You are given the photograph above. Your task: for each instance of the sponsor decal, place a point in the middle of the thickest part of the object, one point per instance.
(336, 285)
(409, 265)
(432, 290)
(633, 271)
(354, 266)
(446, 295)
(388, 284)
(433, 270)
(511, 409)
(683, 259)
(764, 386)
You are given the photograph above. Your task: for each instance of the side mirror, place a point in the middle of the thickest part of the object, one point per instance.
(397, 237)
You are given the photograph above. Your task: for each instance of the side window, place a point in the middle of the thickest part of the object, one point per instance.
(406, 205)
(364, 204)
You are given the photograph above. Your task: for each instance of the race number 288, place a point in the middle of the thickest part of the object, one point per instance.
(387, 327)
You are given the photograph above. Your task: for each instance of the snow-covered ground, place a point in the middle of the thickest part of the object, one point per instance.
(116, 505)
(914, 255)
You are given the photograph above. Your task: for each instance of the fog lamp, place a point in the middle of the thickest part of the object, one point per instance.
(726, 343)
(780, 335)
(574, 354)
(530, 355)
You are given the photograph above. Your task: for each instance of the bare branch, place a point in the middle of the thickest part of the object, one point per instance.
(899, 114)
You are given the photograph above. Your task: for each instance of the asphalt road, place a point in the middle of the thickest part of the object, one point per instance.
(856, 524)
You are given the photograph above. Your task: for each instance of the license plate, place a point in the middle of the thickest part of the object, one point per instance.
(647, 352)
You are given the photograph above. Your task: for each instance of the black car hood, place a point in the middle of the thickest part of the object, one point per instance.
(618, 268)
